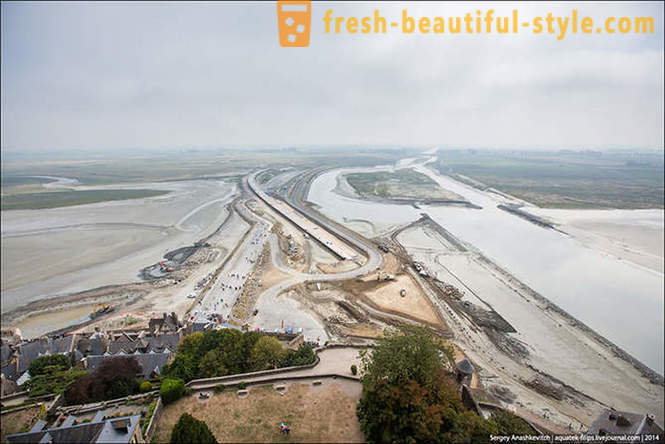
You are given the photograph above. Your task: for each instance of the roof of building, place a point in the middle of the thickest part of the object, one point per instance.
(113, 430)
(10, 372)
(612, 422)
(149, 362)
(465, 366)
(6, 353)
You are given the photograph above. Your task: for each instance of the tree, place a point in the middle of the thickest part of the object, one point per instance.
(53, 381)
(46, 364)
(191, 345)
(302, 356)
(213, 364)
(267, 353)
(171, 390)
(183, 367)
(189, 429)
(409, 412)
(412, 354)
(508, 423)
(114, 378)
(408, 396)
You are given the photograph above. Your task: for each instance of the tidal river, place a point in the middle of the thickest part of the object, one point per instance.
(619, 300)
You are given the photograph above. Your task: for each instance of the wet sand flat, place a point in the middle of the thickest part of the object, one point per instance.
(57, 251)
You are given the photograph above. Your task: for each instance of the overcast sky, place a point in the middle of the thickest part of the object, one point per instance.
(110, 75)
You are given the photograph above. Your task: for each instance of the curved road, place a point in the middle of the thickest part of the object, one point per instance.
(275, 313)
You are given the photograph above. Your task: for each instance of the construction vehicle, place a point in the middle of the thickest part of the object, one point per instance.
(165, 267)
(100, 309)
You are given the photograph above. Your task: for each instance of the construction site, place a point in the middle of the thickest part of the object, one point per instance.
(279, 265)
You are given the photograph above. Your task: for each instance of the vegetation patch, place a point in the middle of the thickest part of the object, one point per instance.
(55, 199)
(401, 184)
(563, 179)
(409, 396)
(229, 352)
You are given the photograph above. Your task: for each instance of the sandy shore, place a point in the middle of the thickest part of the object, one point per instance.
(632, 235)
(59, 251)
(546, 346)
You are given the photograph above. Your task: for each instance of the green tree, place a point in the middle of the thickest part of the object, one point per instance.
(145, 387)
(53, 381)
(213, 364)
(191, 345)
(189, 429)
(267, 353)
(305, 354)
(183, 367)
(48, 364)
(409, 397)
(171, 390)
(411, 354)
(508, 423)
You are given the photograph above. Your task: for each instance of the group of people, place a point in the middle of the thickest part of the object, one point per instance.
(284, 428)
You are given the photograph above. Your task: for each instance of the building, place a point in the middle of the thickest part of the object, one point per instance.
(151, 363)
(112, 430)
(464, 370)
(612, 422)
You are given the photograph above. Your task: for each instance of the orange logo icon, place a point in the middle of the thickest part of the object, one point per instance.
(293, 19)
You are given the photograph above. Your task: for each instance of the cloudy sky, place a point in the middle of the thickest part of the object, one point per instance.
(110, 75)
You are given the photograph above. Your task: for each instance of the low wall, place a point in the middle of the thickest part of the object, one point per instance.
(283, 379)
(80, 409)
(221, 379)
(152, 425)
(13, 396)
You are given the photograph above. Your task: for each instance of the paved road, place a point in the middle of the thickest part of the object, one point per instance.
(224, 293)
(275, 312)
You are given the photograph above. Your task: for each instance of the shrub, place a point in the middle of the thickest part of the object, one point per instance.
(510, 424)
(54, 381)
(145, 387)
(219, 388)
(172, 390)
(303, 356)
(267, 353)
(47, 364)
(354, 369)
(189, 429)
(242, 386)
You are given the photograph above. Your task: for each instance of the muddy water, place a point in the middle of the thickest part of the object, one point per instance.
(618, 299)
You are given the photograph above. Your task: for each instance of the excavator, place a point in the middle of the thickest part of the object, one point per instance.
(100, 309)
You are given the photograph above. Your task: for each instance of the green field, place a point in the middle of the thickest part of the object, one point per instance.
(564, 179)
(401, 184)
(36, 201)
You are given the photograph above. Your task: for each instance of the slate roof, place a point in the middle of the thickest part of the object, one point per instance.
(112, 433)
(29, 352)
(149, 362)
(112, 430)
(6, 353)
(9, 370)
(145, 344)
(465, 367)
(78, 434)
(60, 345)
(159, 343)
(91, 346)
